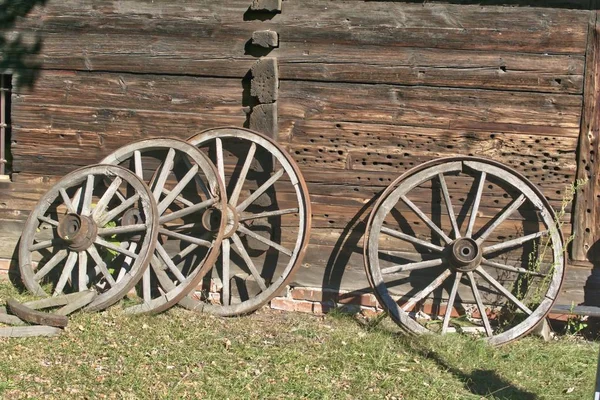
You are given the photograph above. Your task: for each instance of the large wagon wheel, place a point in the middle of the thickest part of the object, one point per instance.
(268, 221)
(190, 197)
(465, 244)
(78, 237)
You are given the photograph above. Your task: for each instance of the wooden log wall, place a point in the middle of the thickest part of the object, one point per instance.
(367, 90)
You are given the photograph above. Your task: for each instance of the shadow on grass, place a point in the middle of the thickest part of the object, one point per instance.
(480, 381)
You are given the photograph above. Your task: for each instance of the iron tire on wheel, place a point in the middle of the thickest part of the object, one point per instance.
(184, 252)
(254, 152)
(404, 246)
(67, 224)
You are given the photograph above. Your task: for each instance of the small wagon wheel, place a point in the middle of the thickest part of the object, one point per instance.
(268, 221)
(75, 239)
(465, 244)
(185, 184)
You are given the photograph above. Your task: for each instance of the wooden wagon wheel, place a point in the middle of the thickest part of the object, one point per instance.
(190, 197)
(465, 244)
(77, 238)
(268, 221)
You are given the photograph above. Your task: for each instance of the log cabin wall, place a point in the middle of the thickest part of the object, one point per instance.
(368, 89)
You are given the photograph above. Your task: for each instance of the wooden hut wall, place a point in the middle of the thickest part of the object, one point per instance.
(368, 89)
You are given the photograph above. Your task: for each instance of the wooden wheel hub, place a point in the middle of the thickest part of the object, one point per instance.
(465, 254)
(211, 220)
(78, 231)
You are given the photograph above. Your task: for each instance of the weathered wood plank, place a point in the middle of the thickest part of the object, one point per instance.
(479, 110)
(542, 30)
(36, 317)
(30, 331)
(62, 300)
(586, 208)
(357, 41)
(134, 92)
(320, 62)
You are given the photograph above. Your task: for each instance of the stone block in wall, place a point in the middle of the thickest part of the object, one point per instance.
(267, 39)
(266, 5)
(265, 80)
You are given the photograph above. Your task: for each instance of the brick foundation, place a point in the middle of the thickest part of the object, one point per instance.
(301, 299)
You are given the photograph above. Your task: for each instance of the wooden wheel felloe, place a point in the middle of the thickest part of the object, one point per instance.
(465, 244)
(268, 225)
(190, 197)
(76, 238)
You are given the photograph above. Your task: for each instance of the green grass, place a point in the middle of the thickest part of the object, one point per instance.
(282, 355)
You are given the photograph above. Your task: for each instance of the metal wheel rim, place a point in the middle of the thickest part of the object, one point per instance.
(407, 182)
(172, 291)
(145, 249)
(304, 211)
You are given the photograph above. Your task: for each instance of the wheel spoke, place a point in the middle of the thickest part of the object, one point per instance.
(264, 240)
(106, 197)
(93, 252)
(166, 202)
(67, 200)
(119, 230)
(412, 266)
(76, 200)
(44, 245)
(226, 247)
(426, 219)
(126, 265)
(111, 246)
(163, 279)
(53, 262)
(451, 299)
(501, 218)
(475, 207)
(412, 239)
(513, 243)
(263, 188)
(146, 290)
(186, 211)
(268, 214)
(169, 263)
(184, 253)
(179, 198)
(47, 220)
(112, 214)
(233, 199)
(239, 246)
(66, 273)
(165, 170)
(87, 197)
(198, 180)
(425, 292)
(503, 290)
(139, 170)
(220, 160)
(505, 267)
(186, 238)
(477, 295)
(82, 282)
(449, 207)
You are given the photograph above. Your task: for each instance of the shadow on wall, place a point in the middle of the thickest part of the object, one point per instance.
(573, 4)
(18, 52)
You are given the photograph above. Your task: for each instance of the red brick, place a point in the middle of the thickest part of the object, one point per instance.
(281, 303)
(363, 299)
(323, 308)
(303, 306)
